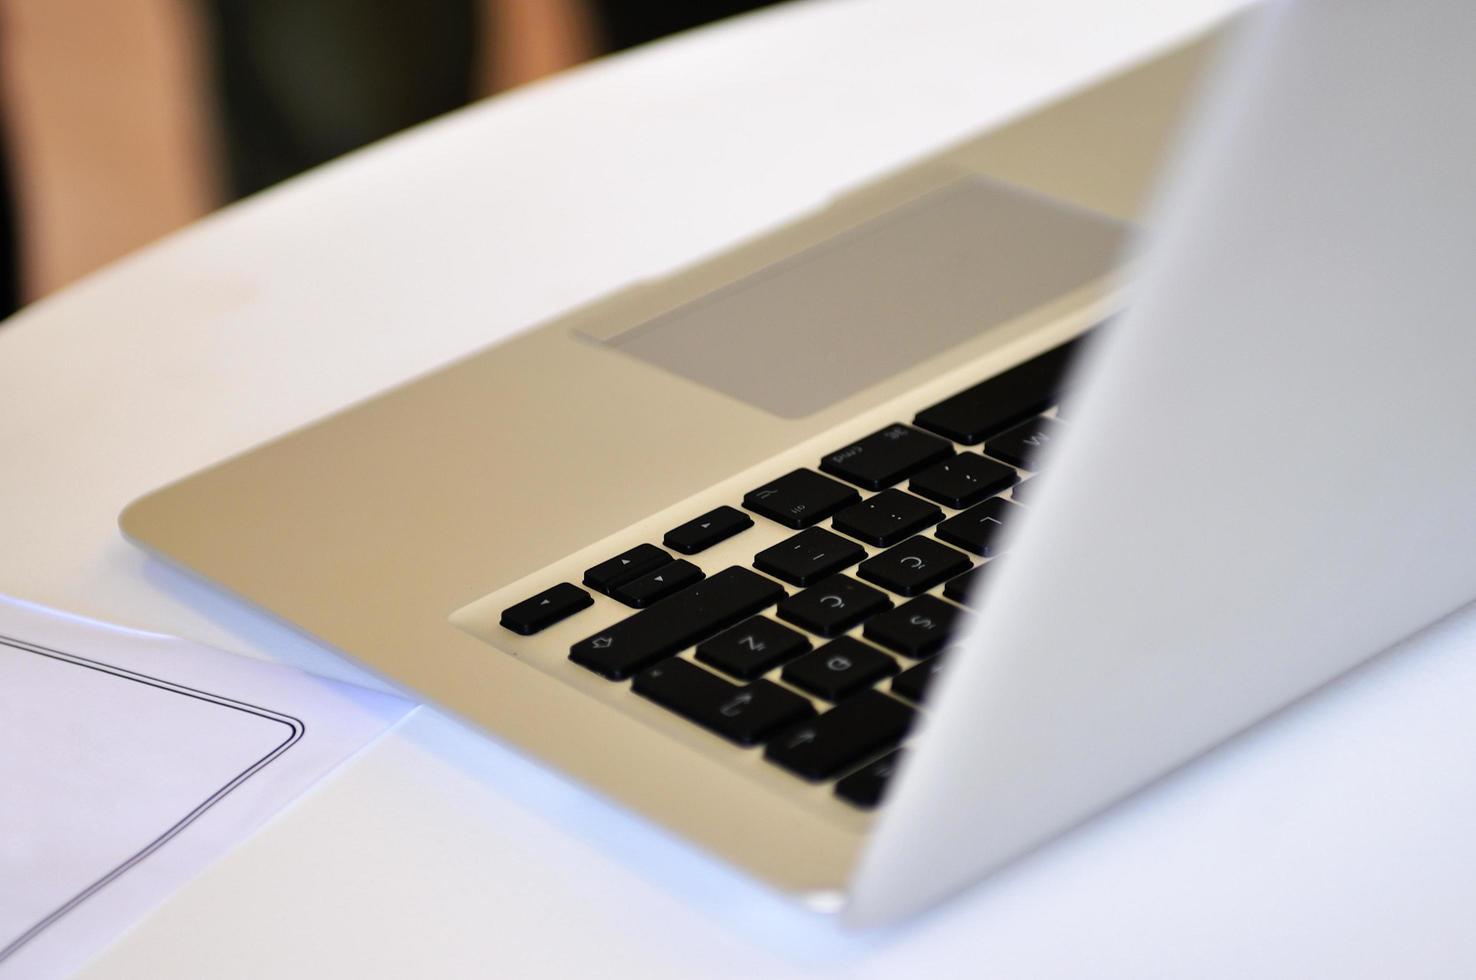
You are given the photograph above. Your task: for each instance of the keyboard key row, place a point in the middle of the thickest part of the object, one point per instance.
(680, 610)
(686, 618)
(990, 407)
(1004, 410)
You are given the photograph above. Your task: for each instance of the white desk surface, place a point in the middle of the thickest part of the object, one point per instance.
(1335, 840)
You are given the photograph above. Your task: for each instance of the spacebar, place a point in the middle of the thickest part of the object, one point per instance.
(685, 618)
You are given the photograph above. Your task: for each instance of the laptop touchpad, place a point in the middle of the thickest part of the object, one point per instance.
(843, 315)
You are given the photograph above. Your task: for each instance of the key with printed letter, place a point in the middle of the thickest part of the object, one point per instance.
(833, 605)
(975, 529)
(886, 518)
(809, 556)
(917, 628)
(744, 714)
(839, 669)
(963, 480)
(693, 614)
(883, 458)
(842, 737)
(1019, 445)
(753, 647)
(914, 566)
(800, 498)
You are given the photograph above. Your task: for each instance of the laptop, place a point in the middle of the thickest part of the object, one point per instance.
(881, 550)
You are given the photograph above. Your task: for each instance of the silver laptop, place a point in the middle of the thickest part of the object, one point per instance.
(866, 556)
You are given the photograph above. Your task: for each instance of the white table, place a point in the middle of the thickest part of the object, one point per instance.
(1335, 840)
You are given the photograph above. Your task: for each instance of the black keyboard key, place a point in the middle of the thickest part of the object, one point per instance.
(842, 737)
(833, 605)
(866, 786)
(963, 480)
(652, 586)
(703, 532)
(1018, 446)
(800, 498)
(545, 609)
(608, 575)
(692, 615)
(913, 683)
(883, 458)
(744, 714)
(992, 406)
(839, 669)
(964, 588)
(886, 518)
(809, 556)
(914, 566)
(976, 528)
(1025, 488)
(752, 648)
(917, 628)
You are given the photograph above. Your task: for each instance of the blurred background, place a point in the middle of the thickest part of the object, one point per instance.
(121, 120)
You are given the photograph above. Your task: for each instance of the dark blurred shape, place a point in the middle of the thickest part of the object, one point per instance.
(9, 266)
(304, 81)
(627, 23)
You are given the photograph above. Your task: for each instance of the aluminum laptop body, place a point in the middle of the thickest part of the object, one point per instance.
(1299, 307)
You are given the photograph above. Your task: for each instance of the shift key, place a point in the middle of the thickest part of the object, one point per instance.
(688, 617)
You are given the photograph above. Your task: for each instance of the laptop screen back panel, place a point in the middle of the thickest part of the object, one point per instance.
(1271, 463)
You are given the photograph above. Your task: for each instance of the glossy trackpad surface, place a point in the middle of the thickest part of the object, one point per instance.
(849, 313)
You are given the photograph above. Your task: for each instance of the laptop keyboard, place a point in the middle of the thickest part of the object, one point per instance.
(769, 655)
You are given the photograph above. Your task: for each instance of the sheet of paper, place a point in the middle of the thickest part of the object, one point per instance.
(129, 761)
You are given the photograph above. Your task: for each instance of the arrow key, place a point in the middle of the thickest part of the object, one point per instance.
(653, 586)
(545, 609)
(703, 532)
(607, 576)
